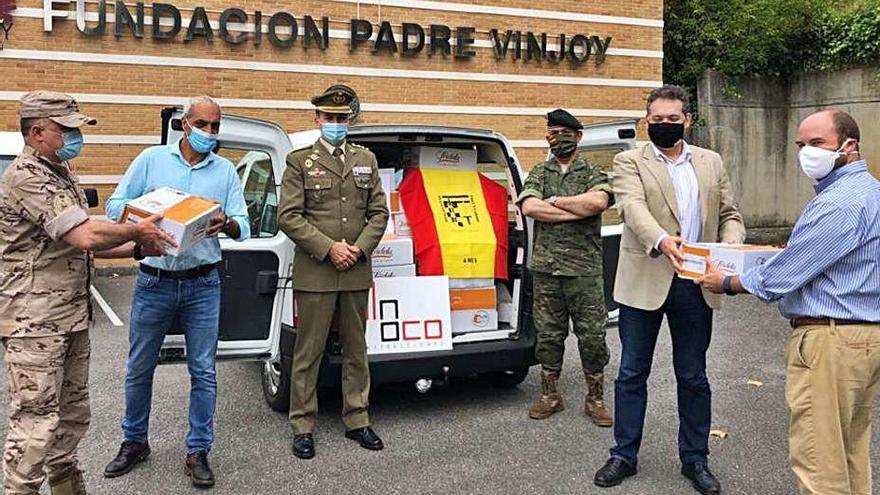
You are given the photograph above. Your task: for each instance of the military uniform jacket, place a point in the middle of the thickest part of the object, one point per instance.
(44, 281)
(323, 201)
(566, 248)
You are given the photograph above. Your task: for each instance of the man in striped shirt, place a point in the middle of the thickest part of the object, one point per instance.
(827, 282)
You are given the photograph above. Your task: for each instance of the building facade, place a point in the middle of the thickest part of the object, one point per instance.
(497, 64)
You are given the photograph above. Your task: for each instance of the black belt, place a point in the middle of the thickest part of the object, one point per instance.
(199, 271)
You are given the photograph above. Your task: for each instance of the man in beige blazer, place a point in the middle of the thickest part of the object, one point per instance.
(668, 192)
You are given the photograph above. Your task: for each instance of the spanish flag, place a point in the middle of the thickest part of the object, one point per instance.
(459, 222)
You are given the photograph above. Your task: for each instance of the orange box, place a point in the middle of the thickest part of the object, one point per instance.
(395, 201)
(186, 217)
(695, 258)
(465, 299)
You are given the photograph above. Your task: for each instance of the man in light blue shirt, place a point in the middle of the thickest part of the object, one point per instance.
(185, 288)
(827, 282)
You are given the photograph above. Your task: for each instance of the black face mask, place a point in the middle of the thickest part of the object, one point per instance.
(565, 146)
(665, 135)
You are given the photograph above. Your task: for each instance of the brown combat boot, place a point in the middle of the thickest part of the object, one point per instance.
(594, 404)
(70, 482)
(550, 402)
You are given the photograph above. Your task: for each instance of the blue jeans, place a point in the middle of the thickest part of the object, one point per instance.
(157, 303)
(690, 326)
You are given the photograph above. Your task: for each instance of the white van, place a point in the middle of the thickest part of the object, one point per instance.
(257, 317)
(11, 144)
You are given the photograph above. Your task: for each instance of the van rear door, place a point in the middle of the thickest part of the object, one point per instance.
(254, 272)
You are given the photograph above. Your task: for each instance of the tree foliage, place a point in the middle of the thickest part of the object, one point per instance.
(767, 37)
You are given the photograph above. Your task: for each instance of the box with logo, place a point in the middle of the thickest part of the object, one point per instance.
(447, 158)
(401, 225)
(186, 217)
(734, 259)
(474, 320)
(479, 298)
(394, 271)
(393, 250)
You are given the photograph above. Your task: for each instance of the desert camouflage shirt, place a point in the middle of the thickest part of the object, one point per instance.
(44, 281)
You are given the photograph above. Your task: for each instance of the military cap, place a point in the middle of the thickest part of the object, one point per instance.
(561, 118)
(334, 99)
(58, 107)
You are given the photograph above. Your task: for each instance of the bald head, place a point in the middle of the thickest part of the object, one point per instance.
(830, 129)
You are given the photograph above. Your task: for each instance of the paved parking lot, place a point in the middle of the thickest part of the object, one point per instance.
(467, 438)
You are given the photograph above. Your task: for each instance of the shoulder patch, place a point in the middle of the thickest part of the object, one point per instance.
(61, 201)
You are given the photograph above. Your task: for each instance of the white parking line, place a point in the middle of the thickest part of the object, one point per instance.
(106, 307)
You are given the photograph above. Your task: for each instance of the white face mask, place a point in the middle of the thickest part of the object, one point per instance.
(817, 163)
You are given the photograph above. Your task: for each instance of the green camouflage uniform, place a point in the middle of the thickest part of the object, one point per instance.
(44, 320)
(566, 264)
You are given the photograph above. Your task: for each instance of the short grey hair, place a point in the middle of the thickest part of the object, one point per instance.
(197, 100)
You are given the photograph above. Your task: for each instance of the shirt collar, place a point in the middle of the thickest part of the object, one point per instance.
(175, 150)
(331, 147)
(30, 150)
(553, 164)
(838, 173)
(685, 156)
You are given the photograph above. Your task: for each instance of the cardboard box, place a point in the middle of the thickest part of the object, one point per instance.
(394, 271)
(401, 225)
(186, 216)
(734, 259)
(447, 158)
(408, 314)
(394, 205)
(466, 299)
(474, 320)
(396, 251)
(471, 283)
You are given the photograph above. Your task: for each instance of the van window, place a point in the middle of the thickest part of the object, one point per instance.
(4, 163)
(604, 157)
(258, 185)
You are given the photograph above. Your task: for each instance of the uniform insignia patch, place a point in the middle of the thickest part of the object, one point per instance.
(309, 163)
(61, 201)
(318, 172)
(362, 170)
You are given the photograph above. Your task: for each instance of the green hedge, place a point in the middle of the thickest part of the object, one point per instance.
(767, 37)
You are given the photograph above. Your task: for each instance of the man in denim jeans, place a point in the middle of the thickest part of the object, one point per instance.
(185, 288)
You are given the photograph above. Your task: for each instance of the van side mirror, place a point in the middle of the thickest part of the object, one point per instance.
(266, 283)
(91, 197)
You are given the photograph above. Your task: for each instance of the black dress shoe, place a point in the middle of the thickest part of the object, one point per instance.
(198, 470)
(366, 437)
(702, 479)
(613, 473)
(303, 446)
(130, 453)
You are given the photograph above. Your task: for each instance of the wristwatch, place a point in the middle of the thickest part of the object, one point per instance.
(552, 200)
(726, 285)
(138, 253)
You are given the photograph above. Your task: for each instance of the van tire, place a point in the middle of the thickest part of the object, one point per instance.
(275, 379)
(507, 378)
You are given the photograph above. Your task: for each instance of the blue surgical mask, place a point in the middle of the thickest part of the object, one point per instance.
(200, 140)
(73, 143)
(334, 133)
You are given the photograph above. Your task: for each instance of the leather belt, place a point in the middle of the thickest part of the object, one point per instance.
(199, 271)
(800, 322)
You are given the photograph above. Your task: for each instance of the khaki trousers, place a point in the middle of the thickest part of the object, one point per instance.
(317, 313)
(48, 408)
(832, 377)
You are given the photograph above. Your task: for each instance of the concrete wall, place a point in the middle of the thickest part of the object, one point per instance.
(755, 133)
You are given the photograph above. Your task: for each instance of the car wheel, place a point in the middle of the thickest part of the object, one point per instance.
(507, 378)
(276, 385)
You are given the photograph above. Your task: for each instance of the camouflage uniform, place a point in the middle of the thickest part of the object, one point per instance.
(44, 318)
(567, 267)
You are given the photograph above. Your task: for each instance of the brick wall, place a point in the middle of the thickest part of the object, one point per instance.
(85, 75)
